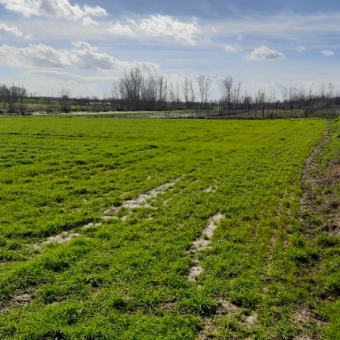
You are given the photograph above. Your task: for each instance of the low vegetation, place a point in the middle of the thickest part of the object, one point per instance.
(99, 219)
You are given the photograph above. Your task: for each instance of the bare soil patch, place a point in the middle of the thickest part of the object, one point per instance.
(17, 301)
(202, 243)
(140, 201)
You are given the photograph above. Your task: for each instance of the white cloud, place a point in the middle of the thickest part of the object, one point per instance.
(264, 53)
(158, 26)
(5, 29)
(231, 48)
(61, 9)
(124, 30)
(81, 56)
(301, 48)
(87, 21)
(327, 53)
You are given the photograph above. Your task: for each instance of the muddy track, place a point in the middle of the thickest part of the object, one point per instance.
(315, 178)
(311, 176)
(319, 194)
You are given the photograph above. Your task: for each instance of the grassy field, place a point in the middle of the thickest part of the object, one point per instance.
(99, 217)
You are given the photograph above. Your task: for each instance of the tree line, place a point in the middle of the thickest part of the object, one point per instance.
(136, 91)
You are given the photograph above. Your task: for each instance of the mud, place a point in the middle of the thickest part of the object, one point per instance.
(142, 200)
(202, 243)
(250, 320)
(204, 240)
(139, 202)
(91, 225)
(64, 237)
(17, 301)
(210, 189)
(318, 182)
(210, 329)
(194, 272)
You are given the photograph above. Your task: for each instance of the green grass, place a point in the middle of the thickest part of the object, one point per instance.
(127, 279)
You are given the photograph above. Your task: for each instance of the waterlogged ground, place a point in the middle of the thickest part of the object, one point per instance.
(162, 229)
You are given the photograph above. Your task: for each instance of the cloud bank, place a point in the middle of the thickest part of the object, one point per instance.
(81, 56)
(10, 30)
(157, 26)
(61, 9)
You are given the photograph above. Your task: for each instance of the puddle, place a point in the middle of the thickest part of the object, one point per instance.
(202, 243)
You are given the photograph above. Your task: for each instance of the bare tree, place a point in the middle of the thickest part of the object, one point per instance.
(65, 96)
(192, 92)
(260, 101)
(13, 95)
(22, 95)
(149, 92)
(231, 93)
(4, 94)
(292, 98)
(172, 94)
(130, 87)
(204, 85)
(115, 97)
(247, 101)
(185, 89)
(178, 99)
(330, 96)
(162, 92)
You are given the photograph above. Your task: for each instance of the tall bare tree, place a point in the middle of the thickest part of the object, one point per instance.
(65, 97)
(149, 92)
(185, 89)
(231, 93)
(162, 93)
(130, 87)
(192, 92)
(204, 85)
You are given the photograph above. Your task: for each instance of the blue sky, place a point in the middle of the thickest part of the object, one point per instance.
(86, 46)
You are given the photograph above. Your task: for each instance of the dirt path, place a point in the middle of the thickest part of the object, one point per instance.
(318, 200)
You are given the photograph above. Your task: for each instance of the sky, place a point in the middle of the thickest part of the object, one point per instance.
(86, 46)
